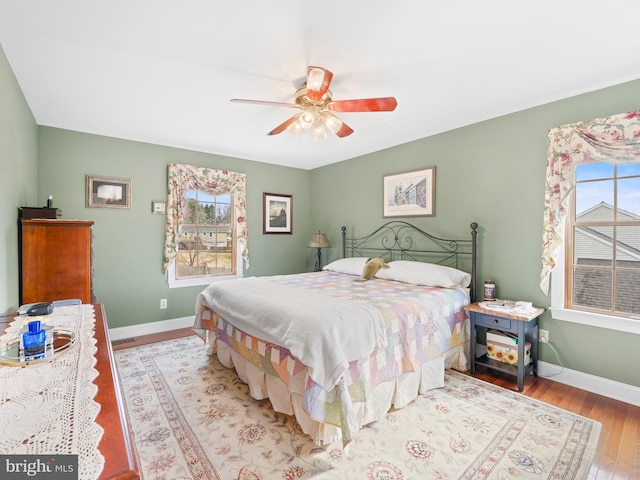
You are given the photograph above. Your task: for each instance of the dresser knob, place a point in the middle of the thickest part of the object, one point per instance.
(496, 321)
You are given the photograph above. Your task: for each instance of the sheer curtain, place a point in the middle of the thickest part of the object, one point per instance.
(614, 139)
(216, 182)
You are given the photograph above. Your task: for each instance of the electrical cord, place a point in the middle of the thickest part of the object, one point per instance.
(559, 361)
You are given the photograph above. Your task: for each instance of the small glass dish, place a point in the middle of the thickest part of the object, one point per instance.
(12, 354)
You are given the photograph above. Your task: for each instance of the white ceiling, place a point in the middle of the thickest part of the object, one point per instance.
(163, 71)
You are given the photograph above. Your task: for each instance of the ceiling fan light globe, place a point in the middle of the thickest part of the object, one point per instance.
(315, 77)
(332, 122)
(306, 120)
(294, 129)
(319, 133)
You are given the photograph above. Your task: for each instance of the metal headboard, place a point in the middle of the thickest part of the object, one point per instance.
(399, 240)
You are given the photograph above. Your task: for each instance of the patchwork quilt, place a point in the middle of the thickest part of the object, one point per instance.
(420, 324)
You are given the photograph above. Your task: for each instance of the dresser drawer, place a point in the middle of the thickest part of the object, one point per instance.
(493, 321)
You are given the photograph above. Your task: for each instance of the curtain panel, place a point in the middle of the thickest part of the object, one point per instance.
(183, 178)
(614, 139)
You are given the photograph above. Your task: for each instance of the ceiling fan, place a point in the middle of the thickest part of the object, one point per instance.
(314, 99)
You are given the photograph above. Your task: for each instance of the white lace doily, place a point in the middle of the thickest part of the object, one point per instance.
(48, 407)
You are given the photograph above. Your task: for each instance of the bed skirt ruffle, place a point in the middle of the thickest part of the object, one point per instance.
(395, 393)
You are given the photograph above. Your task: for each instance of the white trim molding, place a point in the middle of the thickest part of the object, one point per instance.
(591, 383)
(149, 328)
(584, 381)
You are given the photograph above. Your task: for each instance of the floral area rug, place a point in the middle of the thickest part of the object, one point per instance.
(192, 418)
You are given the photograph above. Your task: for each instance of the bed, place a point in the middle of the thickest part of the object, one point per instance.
(337, 352)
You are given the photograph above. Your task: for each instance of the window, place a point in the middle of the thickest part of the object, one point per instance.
(206, 235)
(603, 247)
(591, 219)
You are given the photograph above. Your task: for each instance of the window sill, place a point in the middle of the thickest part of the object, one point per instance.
(195, 282)
(609, 322)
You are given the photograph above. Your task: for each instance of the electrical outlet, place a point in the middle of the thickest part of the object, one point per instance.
(543, 336)
(163, 303)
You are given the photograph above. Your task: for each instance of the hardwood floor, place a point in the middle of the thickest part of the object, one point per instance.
(618, 454)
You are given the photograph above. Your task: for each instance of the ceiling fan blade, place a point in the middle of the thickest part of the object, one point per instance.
(264, 102)
(344, 131)
(382, 104)
(318, 81)
(284, 125)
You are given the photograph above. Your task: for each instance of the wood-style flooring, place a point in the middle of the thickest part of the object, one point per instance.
(618, 454)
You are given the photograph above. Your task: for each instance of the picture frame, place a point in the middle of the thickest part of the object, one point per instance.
(158, 208)
(277, 213)
(409, 194)
(108, 192)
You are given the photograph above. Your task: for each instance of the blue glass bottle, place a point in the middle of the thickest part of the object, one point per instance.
(34, 341)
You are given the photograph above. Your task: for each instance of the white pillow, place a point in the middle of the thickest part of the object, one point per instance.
(426, 274)
(351, 266)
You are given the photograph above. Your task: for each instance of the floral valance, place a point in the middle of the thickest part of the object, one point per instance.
(614, 139)
(183, 178)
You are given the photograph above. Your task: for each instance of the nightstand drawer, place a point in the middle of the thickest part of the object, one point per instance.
(493, 321)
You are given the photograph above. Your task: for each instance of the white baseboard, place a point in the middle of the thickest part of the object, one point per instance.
(591, 383)
(153, 327)
(584, 381)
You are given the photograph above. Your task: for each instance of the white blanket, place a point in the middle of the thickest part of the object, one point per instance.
(322, 331)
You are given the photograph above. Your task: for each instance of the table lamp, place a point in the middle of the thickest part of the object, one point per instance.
(319, 241)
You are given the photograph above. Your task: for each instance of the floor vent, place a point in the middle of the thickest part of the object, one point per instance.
(123, 340)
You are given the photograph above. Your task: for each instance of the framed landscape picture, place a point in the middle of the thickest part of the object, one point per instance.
(277, 213)
(107, 192)
(409, 194)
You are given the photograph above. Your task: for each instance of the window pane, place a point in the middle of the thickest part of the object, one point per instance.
(593, 246)
(592, 287)
(628, 291)
(594, 201)
(593, 171)
(189, 211)
(206, 246)
(205, 197)
(629, 199)
(209, 253)
(628, 169)
(600, 188)
(628, 246)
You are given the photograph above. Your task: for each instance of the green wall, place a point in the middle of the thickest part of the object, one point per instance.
(492, 173)
(128, 244)
(18, 177)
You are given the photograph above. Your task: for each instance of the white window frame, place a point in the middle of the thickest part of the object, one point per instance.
(559, 312)
(206, 279)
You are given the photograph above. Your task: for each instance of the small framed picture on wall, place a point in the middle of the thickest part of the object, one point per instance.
(277, 213)
(410, 194)
(158, 207)
(108, 192)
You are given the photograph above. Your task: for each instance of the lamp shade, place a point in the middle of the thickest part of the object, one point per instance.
(319, 240)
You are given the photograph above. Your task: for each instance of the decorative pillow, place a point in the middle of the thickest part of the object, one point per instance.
(351, 266)
(427, 274)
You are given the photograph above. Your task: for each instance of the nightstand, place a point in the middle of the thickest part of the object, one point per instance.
(525, 326)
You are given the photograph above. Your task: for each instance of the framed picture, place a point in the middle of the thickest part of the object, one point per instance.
(277, 213)
(107, 192)
(410, 194)
(159, 208)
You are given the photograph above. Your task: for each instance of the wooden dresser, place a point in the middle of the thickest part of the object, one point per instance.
(55, 260)
(119, 459)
